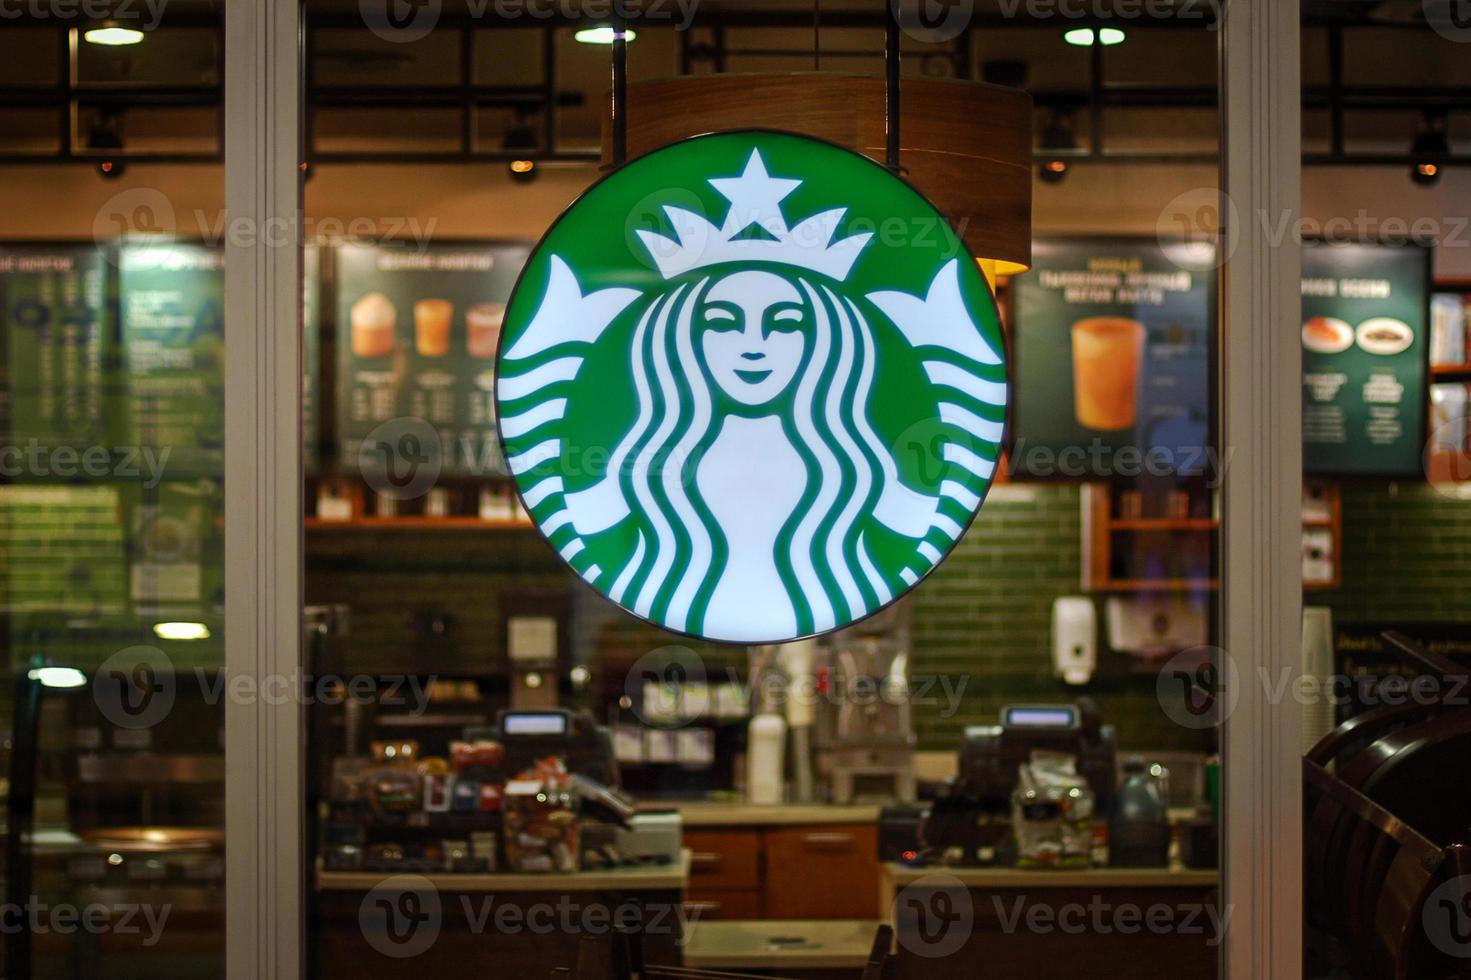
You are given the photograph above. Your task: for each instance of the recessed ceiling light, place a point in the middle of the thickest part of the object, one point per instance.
(112, 35)
(1083, 37)
(181, 631)
(602, 35)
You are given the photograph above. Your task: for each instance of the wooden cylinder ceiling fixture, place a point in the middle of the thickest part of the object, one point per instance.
(967, 146)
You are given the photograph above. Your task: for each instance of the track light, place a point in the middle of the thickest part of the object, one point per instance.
(1430, 150)
(106, 134)
(1058, 143)
(522, 171)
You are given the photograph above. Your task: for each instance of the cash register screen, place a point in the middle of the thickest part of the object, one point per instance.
(535, 723)
(1040, 718)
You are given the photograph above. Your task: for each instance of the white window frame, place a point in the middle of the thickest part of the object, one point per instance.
(1261, 412)
(264, 908)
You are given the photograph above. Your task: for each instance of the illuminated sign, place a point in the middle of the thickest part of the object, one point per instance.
(752, 387)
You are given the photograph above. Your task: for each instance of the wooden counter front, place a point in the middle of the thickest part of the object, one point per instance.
(370, 925)
(1019, 924)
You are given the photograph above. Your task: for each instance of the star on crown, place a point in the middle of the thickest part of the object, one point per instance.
(754, 231)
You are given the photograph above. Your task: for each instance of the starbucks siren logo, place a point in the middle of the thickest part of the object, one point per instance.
(705, 419)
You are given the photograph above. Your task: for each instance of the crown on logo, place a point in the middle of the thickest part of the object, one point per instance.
(754, 231)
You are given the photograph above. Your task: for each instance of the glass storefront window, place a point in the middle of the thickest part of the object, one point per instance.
(111, 502)
(883, 512)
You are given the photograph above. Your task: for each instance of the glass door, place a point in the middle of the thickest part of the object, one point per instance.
(112, 363)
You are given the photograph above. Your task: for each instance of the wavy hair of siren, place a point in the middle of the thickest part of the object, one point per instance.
(821, 553)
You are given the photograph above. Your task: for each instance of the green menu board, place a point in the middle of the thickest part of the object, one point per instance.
(1365, 312)
(1112, 341)
(63, 552)
(175, 551)
(54, 358)
(171, 305)
(417, 331)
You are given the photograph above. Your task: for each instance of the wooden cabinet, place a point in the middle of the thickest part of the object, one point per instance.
(824, 871)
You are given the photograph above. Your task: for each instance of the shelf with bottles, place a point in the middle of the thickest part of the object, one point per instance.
(346, 503)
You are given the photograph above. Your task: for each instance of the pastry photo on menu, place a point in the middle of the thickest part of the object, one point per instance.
(1384, 335)
(373, 322)
(1327, 335)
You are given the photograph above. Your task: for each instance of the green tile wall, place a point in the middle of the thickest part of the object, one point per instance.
(983, 618)
(1406, 555)
(986, 616)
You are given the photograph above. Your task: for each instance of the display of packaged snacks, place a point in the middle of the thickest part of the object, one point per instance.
(542, 829)
(437, 788)
(1052, 813)
(481, 754)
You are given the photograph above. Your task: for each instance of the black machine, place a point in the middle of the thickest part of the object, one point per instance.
(991, 754)
(529, 735)
(973, 819)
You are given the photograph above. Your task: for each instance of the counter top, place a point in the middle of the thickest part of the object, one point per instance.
(749, 945)
(899, 875)
(655, 877)
(712, 814)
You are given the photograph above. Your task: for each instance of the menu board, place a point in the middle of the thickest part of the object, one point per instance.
(171, 305)
(54, 358)
(417, 330)
(175, 556)
(1365, 310)
(63, 550)
(1112, 340)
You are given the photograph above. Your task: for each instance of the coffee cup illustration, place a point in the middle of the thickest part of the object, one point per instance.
(432, 319)
(1107, 352)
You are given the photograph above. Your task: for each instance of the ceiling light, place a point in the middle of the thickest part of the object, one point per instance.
(1430, 151)
(1084, 37)
(57, 677)
(181, 631)
(602, 35)
(112, 35)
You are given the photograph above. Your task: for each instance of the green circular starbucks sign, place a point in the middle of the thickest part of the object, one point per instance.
(752, 387)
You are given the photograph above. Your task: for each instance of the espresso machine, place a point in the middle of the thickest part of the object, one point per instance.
(865, 738)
